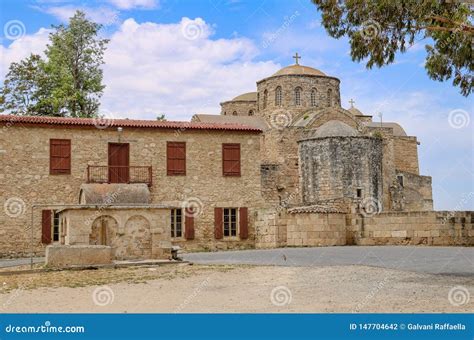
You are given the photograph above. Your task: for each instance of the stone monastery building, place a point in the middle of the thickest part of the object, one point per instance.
(286, 165)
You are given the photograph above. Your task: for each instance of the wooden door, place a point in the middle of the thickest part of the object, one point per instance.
(119, 166)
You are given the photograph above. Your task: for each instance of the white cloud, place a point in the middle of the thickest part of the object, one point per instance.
(102, 15)
(129, 4)
(21, 48)
(177, 69)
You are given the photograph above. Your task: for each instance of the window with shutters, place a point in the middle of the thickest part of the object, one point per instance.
(231, 159)
(230, 222)
(176, 158)
(59, 156)
(176, 223)
(46, 226)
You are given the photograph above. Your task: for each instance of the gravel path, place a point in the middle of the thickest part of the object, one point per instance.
(261, 289)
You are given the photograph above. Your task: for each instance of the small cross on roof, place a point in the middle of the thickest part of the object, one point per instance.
(296, 57)
(352, 102)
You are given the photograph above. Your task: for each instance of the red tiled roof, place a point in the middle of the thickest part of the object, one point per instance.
(132, 123)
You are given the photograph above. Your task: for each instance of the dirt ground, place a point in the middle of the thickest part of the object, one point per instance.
(228, 289)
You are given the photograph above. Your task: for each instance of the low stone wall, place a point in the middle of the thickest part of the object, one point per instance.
(279, 229)
(302, 227)
(438, 228)
(61, 256)
(316, 229)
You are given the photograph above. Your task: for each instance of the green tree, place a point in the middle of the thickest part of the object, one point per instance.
(23, 91)
(161, 117)
(378, 29)
(68, 82)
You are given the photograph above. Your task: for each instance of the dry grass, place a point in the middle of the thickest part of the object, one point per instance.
(91, 277)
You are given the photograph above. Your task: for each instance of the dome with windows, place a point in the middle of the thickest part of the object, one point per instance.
(299, 70)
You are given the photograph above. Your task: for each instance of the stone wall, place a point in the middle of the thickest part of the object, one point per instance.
(25, 179)
(280, 166)
(411, 192)
(60, 256)
(239, 108)
(316, 229)
(270, 228)
(441, 228)
(336, 167)
(132, 232)
(406, 154)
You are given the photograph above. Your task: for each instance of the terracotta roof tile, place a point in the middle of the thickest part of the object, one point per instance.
(132, 123)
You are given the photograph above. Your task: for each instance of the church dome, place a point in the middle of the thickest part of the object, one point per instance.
(335, 128)
(298, 70)
(249, 96)
(355, 111)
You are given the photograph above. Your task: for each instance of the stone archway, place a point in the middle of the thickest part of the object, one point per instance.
(103, 231)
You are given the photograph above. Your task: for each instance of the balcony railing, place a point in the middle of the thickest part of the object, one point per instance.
(119, 174)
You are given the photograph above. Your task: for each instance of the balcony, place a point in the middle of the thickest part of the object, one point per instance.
(119, 174)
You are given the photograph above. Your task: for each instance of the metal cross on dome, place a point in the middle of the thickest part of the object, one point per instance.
(352, 102)
(296, 57)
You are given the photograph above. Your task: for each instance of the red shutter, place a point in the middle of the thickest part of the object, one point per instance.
(244, 223)
(189, 225)
(46, 226)
(59, 156)
(231, 159)
(175, 158)
(218, 232)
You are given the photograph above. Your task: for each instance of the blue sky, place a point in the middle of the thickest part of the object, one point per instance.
(184, 57)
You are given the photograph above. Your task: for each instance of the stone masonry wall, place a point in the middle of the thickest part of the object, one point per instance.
(240, 107)
(316, 229)
(25, 178)
(288, 83)
(406, 154)
(335, 167)
(441, 228)
(414, 195)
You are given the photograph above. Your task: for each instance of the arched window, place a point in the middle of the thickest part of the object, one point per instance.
(225, 113)
(234, 113)
(298, 91)
(329, 99)
(278, 96)
(313, 97)
(265, 98)
(251, 113)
